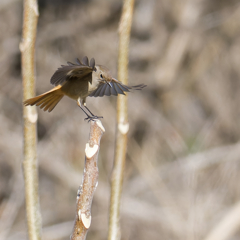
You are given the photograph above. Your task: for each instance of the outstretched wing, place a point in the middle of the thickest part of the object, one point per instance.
(73, 70)
(114, 87)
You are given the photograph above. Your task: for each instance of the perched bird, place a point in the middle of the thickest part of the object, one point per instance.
(78, 81)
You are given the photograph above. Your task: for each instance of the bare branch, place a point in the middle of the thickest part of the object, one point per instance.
(27, 48)
(89, 182)
(122, 119)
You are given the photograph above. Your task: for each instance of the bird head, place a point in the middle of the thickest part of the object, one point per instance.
(103, 74)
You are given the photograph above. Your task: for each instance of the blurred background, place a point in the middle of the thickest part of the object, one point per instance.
(182, 172)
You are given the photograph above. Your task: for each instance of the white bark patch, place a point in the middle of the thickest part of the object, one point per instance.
(123, 127)
(90, 151)
(79, 215)
(86, 220)
(99, 123)
(32, 115)
(24, 44)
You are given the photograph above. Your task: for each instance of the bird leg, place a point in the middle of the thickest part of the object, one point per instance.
(89, 110)
(89, 118)
(85, 112)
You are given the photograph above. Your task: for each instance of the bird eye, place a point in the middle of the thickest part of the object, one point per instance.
(101, 76)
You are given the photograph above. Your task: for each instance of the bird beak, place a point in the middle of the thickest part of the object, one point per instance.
(109, 84)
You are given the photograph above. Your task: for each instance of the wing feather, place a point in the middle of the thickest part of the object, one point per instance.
(123, 87)
(92, 63)
(107, 91)
(118, 89)
(113, 88)
(78, 61)
(73, 70)
(85, 61)
(99, 91)
(103, 88)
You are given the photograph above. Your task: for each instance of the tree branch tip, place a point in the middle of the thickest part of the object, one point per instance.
(123, 128)
(90, 151)
(86, 220)
(99, 123)
(35, 8)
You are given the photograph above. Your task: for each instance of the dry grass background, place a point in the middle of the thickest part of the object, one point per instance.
(182, 173)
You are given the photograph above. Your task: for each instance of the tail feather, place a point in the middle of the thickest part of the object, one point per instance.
(43, 99)
(53, 105)
(47, 101)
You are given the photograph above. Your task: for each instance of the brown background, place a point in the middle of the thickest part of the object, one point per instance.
(183, 161)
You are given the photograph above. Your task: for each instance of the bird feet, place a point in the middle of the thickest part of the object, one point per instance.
(92, 118)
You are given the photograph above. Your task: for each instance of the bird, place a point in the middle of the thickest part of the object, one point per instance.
(78, 81)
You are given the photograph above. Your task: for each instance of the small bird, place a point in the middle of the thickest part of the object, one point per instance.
(78, 81)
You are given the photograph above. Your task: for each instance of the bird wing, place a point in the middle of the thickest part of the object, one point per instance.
(73, 70)
(113, 87)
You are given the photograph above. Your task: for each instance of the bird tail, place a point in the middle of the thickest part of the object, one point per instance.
(47, 101)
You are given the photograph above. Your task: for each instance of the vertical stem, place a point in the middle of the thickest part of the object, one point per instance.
(122, 122)
(27, 48)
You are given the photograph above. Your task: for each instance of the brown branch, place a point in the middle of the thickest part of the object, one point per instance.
(27, 48)
(89, 182)
(122, 119)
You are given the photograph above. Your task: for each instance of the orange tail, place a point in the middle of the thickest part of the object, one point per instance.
(47, 101)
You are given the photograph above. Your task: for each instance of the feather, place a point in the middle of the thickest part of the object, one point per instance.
(113, 91)
(92, 63)
(107, 91)
(85, 61)
(66, 72)
(117, 88)
(47, 100)
(124, 87)
(99, 90)
(53, 105)
(78, 61)
(103, 88)
(69, 64)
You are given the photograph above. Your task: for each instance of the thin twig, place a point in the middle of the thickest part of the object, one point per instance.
(89, 182)
(27, 48)
(122, 121)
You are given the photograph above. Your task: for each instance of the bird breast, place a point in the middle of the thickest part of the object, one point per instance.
(76, 88)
